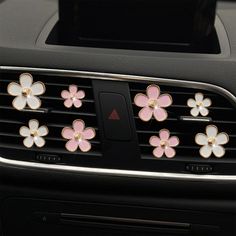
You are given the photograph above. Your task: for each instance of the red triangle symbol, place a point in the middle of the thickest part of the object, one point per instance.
(114, 115)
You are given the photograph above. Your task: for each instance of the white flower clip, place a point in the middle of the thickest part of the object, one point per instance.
(212, 142)
(33, 134)
(199, 105)
(26, 92)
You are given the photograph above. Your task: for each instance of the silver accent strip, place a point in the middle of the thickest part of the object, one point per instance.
(115, 172)
(196, 119)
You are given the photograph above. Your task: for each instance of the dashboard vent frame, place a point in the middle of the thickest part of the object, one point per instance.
(117, 172)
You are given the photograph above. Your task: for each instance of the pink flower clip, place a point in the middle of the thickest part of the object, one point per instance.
(78, 136)
(164, 144)
(73, 96)
(153, 104)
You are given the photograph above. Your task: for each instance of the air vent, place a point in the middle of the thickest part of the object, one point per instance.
(53, 114)
(182, 124)
(111, 107)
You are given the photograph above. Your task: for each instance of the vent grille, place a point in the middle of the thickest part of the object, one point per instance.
(52, 113)
(222, 114)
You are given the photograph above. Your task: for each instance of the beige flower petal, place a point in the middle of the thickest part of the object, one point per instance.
(43, 131)
(211, 131)
(39, 141)
(28, 142)
(33, 125)
(195, 111)
(206, 151)
(14, 89)
(218, 151)
(24, 131)
(199, 97)
(38, 88)
(26, 80)
(203, 111)
(207, 102)
(201, 139)
(34, 102)
(19, 102)
(222, 138)
(191, 103)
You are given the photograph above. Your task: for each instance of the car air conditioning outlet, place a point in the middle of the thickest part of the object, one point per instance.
(191, 127)
(116, 124)
(58, 110)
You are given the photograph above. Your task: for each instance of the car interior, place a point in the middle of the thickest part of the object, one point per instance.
(118, 117)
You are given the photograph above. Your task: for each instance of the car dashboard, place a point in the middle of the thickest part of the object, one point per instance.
(115, 137)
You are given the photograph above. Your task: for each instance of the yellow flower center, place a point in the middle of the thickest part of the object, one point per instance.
(163, 143)
(78, 136)
(200, 104)
(153, 103)
(26, 92)
(211, 141)
(34, 133)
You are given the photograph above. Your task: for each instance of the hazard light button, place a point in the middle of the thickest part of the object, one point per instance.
(115, 116)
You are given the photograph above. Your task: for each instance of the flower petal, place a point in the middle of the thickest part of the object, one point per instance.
(65, 94)
(14, 89)
(154, 141)
(170, 152)
(85, 146)
(164, 134)
(207, 102)
(173, 141)
(218, 151)
(201, 139)
(73, 89)
(68, 103)
(160, 114)
(67, 133)
(80, 94)
(24, 131)
(141, 100)
(39, 141)
(203, 111)
(72, 145)
(33, 125)
(34, 102)
(206, 151)
(38, 88)
(191, 103)
(43, 131)
(77, 103)
(195, 111)
(199, 97)
(28, 142)
(78, 125)
(19, 102)
(89, 133)
(222, 138)
(153, 91)
(145, 114)
(158, 152)
(26, 80)
(165, 100)
(211, 131)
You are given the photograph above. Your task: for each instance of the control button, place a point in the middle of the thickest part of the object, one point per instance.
(199, 169)
(115, 116)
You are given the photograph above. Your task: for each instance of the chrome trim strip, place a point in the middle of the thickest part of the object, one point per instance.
(115, 172)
